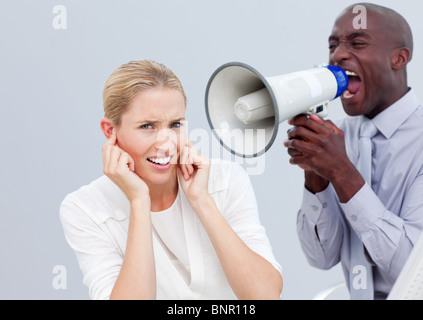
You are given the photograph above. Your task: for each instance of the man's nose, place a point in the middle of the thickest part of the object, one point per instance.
(340, 53)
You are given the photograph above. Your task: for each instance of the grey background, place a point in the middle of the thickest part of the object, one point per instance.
(51, 84)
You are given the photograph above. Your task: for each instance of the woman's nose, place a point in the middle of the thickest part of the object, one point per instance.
(165, 140)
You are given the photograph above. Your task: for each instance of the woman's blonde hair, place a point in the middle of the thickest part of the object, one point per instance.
(129, 79)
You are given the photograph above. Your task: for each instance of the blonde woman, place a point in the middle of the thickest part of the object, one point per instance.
(165, 222)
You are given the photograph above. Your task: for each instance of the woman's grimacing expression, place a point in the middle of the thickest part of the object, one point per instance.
(151, 132)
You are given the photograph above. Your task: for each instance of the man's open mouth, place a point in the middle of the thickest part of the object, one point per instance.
(354, 85)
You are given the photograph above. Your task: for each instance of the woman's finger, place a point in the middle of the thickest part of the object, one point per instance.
(115, 155)
(126, 161)
(131, 163)
(107, 152)
(183, 157)
(187, 160)
(190, 163)
(112, 138)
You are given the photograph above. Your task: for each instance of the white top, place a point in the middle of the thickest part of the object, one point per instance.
(168, 226)
(95, 220)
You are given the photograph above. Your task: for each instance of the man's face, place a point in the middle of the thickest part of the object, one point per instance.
(366, 56)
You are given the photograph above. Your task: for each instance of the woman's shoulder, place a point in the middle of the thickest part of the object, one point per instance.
(223, 173)
(97, 187)
(100, 199)
(225, 166)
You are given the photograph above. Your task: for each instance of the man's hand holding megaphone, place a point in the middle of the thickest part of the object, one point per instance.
(318, 147)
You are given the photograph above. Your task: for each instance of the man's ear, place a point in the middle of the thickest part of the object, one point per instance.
(400, 58)
(107, 127)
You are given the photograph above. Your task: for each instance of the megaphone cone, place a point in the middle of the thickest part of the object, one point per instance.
(244, 109)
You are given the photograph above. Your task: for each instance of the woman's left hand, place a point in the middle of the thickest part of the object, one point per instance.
(193, 173)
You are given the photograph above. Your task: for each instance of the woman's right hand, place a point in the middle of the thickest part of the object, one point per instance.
(120, 168)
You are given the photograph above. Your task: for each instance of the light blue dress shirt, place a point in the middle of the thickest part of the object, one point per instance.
(388, 216)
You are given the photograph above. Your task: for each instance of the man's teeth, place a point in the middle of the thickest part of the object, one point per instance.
(348, 95)
(161, 161)
(351, 74)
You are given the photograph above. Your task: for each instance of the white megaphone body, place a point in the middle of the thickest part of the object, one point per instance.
(244, 109)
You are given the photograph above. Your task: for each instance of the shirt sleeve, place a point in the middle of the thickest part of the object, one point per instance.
(99, 259)
(241, 213)
(319, 228)
(388, 236)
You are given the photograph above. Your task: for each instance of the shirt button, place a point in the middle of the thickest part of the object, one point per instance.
(324, 205)
(315, 208)
(354, 218)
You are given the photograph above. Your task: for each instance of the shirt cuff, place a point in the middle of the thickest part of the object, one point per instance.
(313, 204)
(363, 210)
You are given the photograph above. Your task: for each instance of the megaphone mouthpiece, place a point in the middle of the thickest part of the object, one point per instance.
(254, 106)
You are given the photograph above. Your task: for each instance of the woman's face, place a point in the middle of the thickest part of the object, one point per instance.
(152, 131)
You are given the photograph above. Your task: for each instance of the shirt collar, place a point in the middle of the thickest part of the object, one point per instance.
(393, 117)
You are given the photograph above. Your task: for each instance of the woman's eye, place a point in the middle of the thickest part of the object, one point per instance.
(146, 126)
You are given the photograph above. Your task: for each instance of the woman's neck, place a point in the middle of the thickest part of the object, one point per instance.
(163, 195)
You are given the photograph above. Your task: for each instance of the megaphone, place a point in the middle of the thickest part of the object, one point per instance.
(244, 109)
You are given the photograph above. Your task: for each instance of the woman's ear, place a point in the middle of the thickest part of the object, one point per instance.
(107, 127)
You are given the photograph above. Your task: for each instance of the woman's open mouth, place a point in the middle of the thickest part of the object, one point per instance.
(160, 163)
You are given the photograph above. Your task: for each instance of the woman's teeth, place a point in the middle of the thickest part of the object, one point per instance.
(351, 74)
(160, 161)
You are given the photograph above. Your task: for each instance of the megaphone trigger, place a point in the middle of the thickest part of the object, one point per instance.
(322, 110)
